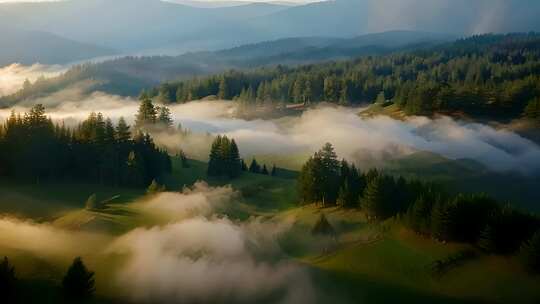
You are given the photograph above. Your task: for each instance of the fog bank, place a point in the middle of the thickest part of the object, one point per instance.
(12, 77)
(364, 140)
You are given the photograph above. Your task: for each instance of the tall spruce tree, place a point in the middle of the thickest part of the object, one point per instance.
(79, 282)
(146, 115)
(8, 283)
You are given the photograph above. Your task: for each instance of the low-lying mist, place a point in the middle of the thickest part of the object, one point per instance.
(190, 253)
(12, 77)
(367, 141)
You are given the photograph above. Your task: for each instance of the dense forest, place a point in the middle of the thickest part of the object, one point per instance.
(426, 208)
(493, 75)
(35, 149)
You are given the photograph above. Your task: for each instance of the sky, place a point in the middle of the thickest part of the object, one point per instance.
(291, 1)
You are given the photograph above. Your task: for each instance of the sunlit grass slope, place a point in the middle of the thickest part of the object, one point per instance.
(387, 263)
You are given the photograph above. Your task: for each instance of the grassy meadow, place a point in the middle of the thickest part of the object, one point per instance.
(363, 262)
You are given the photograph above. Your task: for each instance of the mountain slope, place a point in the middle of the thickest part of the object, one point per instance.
(136, 25)
(28, 47)
(129, 75)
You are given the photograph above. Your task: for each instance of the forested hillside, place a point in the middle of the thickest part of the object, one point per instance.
(130, 75)
(487, 75)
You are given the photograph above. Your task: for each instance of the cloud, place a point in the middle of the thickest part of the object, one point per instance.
(46, 240)
(12, 77)
(200, 261)
(200, 256)
(198, 200)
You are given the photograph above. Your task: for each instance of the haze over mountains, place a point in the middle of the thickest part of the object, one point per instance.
(129, 75)
(134, 26)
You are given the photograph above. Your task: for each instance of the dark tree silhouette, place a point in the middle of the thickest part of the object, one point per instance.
(79, 282)
(8, 283)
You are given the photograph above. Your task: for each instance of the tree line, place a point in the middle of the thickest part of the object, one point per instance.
(225, 161)
(78, 284)
(481, 75)
(35, 149)
(424, 207)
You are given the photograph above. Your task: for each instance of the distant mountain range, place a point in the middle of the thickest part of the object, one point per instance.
(130, 75)
(28, 47)
(131, 26)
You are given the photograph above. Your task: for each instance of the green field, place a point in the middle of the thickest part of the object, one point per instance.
(363, 263)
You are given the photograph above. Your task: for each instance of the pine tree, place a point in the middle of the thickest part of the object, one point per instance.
(146, 115)
(78, 283)
(419, 215)
(123, 134)
(223, 92)
(214, 157)
(110, 132)
(329, 174)
(530, 254)
(440, 220)
(164, 118)
(264, 170)
(373, 201)
(323, 227)
(532, 110)
(274, 170)
(254, 167)
(8, 282)
(235, 165)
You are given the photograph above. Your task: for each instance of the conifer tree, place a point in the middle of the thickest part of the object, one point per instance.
(78, 283)
(123, 133)
(8, 282)
(164, 117)
(373, 201)
(254, 167)
(146, 114)
(530, 254)
(274, 170)
(264, 170)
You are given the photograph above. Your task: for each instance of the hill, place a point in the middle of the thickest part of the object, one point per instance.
(129, 75)
(29, 47)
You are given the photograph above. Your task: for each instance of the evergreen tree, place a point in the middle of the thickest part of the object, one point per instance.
(323, 227)
(164, 117)
(254, 167)
(123, 134)
(274, 170)
(374, 200)
(224, 159)
(440, 219)
(234, 162)
(530, 254)
(8, 282)
(146, 114)
(78, 283)
(264, 170)
(223, 92)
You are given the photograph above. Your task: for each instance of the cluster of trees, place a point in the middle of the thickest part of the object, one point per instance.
(481, 75)
(78, 283)
(255, 167)
(425, 207)
(150, 116)
(224, 159)
(326, 180)
(475, 219)
(33, 148)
